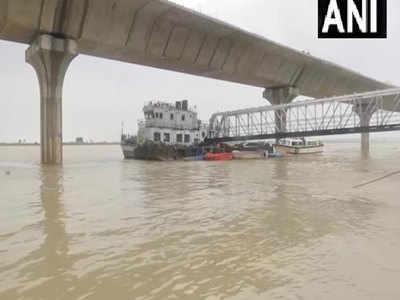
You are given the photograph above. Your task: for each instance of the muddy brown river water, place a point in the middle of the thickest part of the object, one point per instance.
(101, 227)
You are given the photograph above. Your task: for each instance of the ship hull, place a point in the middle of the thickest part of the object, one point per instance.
(218, 156)
(157, 152)
(299, 150)
(153, 151)
(128, 151)
(194, 158)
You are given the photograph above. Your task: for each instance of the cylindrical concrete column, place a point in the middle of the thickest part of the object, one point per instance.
(278, 96)
(364, 112)
(50, 57)
(364, 122)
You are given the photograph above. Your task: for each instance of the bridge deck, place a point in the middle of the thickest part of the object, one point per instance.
(165, 35)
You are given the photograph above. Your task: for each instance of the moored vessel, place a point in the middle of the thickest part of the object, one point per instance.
(298, 146)
(168, 132)
(194, 158)
(218, 156)
(239, 154)
(252, 151)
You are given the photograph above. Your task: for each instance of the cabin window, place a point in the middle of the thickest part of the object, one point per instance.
(179, 138)
(187, 138)
(196, 141)
(183, 117)
(203, 134)
(161, 115)
(156, 115)
(171, 117)
(157, 137)
(166, 138)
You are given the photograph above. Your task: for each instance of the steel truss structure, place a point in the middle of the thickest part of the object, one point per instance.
(367, 112)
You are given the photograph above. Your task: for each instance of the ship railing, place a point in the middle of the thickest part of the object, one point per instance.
(128, 138)
(160, 104)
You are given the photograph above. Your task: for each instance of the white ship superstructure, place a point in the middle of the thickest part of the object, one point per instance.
(168, 132)
(171, 124)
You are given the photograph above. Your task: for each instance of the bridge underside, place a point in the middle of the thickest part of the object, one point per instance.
(161, 34)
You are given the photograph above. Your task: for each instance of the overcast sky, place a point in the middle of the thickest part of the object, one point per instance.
(99, 94)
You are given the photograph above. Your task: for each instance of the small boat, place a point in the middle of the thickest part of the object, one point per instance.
(299, 146)
(276, 155)
(252, 151)
(240, 154)
(194, 158)
(218, 156)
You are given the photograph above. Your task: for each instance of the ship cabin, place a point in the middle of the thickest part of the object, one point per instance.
(299, 143)
(171, 124)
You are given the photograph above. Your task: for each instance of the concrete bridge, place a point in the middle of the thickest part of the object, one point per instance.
(160, 34)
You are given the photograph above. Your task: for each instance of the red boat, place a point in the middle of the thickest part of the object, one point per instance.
(218, 156)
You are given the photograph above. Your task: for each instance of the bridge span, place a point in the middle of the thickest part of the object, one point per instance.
(357, 113)
(161, 34)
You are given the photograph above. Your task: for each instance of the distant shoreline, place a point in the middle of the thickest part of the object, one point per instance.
(64, 144)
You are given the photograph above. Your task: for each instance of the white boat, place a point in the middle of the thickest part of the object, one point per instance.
(299, 146)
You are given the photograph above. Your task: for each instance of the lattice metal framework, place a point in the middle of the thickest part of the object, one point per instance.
(366, 112)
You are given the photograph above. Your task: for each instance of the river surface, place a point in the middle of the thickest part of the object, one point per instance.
(101, 227)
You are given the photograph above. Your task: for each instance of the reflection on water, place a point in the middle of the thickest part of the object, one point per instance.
(48, 262)
(52, 255)
(55, 246)
(101, 227)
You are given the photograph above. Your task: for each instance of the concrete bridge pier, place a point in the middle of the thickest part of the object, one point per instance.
(278, 96)
(50, 57)
(365, 112)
